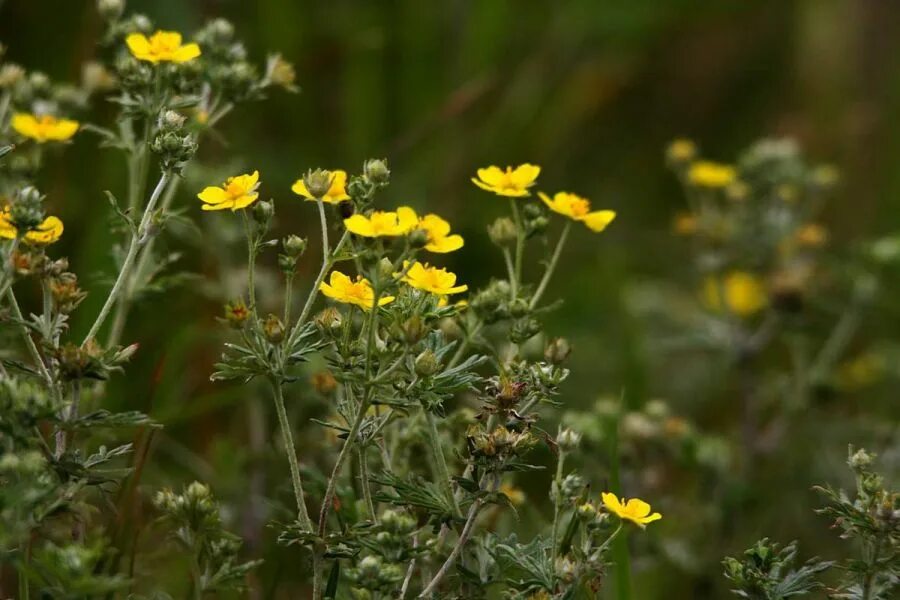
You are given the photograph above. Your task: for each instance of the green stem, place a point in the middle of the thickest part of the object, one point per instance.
(288, 438)
(520, 239)
(557, 498)
(511, 272)
(29, 343)
(364, 481)
(457, 549)
(440, 461)
(551, 266)
(251, 260)
(137, 240)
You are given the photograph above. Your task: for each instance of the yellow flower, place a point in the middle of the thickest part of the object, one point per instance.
(635, 510)
(48, 232)
(431, 279)
(162, 46)
(511, 182)
(43, 128)
(709, 174)
(516, 495)
(381, 223)
(681, 150)
(578, 209)
(744, 293)
(343, 289)
(237, 192)
(336, 193)
(439, 239)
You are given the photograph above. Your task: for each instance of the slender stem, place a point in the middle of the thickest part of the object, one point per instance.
(520, 239)
(457, 549)
(409, 571)
(364, 481)
(440, 462)
(511, 273)
(327, 261)
(288, 438)
(251, 260)
(551, 266)
(557, 498)
(32, 347)
(69, 415)
(137, 239)
(288, 296)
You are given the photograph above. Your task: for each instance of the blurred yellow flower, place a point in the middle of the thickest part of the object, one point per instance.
(516, 495)
(439, 238)
(681, 150)
(709, 174)
(635, 510)
(578, 209)
(336, 193)
(237, 192)
(432, 279)
(162, 46)
(48, 232)
(684, 223)
(744, 293)
(811, 235)
(43, 128)
(513, 182)
(382, 223)
(343, 289)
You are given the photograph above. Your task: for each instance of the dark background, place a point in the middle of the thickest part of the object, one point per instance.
(591, 91)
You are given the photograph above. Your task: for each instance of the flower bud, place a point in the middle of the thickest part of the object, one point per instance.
(141, 23)
(110, 10)
(10, 75)
(323, 382)
(96, 78)
(860, 460)
(125, 354)
(318, 182)
(236, 313)
(329, 319)
(413, 329)
(586, 511)
(281, 73)
(418, 238)
(376, 171)
(502, 231)
(427, 364)
(273, 329)
(557, 351)
(568, 440)
(294, 245)
(385, 268)
(518, 308)
(263, 211)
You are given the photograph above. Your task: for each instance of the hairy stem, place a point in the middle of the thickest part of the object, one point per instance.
(137, 239)
(551, 266)
(520, 240)
(557, 498)
(288, 439)
(366, 486)
(457, 549)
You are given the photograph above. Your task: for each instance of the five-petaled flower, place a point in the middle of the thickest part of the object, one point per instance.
(381, 224)
(709, 174)
(360, 292)
(578, 209)
(43, 128)
(439, 238)
(336, 193)
(237, 192)
(513, 182)
(162, 46)
(432, 279)
(635, 510)
(48, 232)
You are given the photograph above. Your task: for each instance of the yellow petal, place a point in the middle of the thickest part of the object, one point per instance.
(598, 220)
(299, 188)
(524, 175)
(49, 231)
(406, 219)
(359, 225)
(445, 244)
(186, 53)
(25, 124)
(637, 508)
(492, 176)
(213, 195)
(139, 45)
(385, 300)
(245, 200)
(482, 185)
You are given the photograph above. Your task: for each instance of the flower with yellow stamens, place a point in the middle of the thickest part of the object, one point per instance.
(237, 192)
(48, 232)
(432, 279)
(440, 240)
(744, 294)
(635, 510)
(708, 174)
(512, 182)
(382, 223)
(360, 292)
(578, 209)
(162, 46)
(336, 193)
(43, 128)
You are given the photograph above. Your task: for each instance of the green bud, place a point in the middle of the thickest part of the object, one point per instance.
(273, 329)
(329, 319)
(318, 182)
(263, 211)
(294, 245)
(568, 440)
(385, 268)
(502, 231)
(110, 10)
(418, 238)
(236, 313)
(376, 171)
(427, 364)
(286, 263)
(586, 511)
(414, 329)
(518, 308)
(532, 211)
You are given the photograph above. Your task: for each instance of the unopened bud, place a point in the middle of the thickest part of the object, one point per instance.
(427, 364)
(273, 329)
(376, 171)
(236, 313)
(318, 182)
(568, 440)
(110, 9)
(329, 319)
(502, 231)
(263, 211)
(173, 119)
(418, 238)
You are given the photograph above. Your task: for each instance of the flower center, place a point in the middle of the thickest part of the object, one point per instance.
(234, 189)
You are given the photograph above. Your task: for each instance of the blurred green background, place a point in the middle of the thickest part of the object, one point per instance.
(591, 91)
